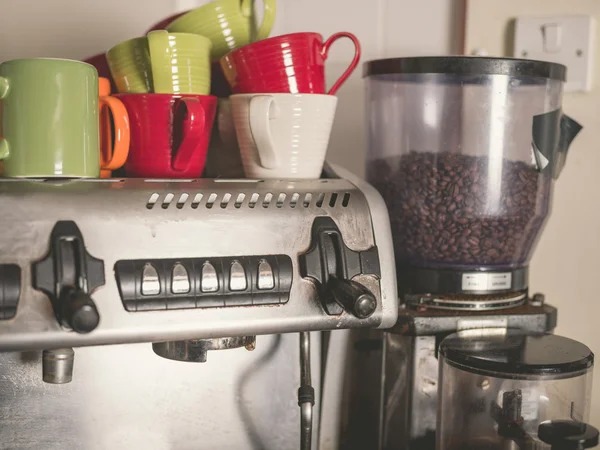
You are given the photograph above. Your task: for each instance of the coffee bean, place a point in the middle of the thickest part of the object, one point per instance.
(443, 210)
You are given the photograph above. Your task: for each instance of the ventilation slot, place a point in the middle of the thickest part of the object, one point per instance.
(253, 200)
(294, 199)
(267, 200)
(182, 199)
(196, 201)
(280, 200)
(333, 200)
(211, 200)
(167, 201)
(239, 200)
(320, 199)
(152, 200)
(307, 200)
(225, 200)
(346, 199)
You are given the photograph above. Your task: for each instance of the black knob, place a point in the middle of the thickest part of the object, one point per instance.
(79, 310)
(353, 297)
(568, 434)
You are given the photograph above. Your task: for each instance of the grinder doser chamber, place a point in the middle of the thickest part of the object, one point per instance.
(464, 152)
(505, 389)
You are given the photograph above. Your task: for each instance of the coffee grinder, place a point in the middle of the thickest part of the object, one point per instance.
(465, 152)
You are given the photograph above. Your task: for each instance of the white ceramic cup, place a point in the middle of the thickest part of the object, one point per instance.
(283, 135)
(223, 159)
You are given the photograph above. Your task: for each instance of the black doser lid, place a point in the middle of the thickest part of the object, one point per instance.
(466, 65)
(515, 354)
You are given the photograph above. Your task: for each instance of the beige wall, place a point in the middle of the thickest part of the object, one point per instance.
(566, 264)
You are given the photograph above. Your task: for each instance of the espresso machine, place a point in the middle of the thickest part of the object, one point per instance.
(465, 152)
(183, 314)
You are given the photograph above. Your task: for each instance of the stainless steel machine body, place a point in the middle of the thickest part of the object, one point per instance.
(124, 220)
(154, 239)
(126, 397)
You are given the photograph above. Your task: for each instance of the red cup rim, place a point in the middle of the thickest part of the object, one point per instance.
(149, 94)
(268, 41)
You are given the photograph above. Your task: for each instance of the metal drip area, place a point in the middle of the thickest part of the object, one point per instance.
(196, 350)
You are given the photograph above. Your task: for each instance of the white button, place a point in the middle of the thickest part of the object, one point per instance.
(265, 276)
(150, 281)
(210, 281)
(237, 277)
(180, 281)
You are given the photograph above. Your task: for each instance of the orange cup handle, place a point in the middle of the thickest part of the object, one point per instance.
(122, 133)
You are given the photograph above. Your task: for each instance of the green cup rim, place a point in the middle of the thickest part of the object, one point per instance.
(194, 11)
(65, 60)
(123, 43)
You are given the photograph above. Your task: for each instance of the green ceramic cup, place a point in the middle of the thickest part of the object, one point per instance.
(50, 125)
(229, 24)
(162, 63)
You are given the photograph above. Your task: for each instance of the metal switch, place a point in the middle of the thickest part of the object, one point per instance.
(180, 280)
(265, 276)
(209, 281)
(150, 281)
(237, 277)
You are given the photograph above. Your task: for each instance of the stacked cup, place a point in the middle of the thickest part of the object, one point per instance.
(163, 80)
(53, 114)
(282, 113)
(229, 24)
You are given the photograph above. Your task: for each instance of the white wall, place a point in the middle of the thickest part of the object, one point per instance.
(565, 265)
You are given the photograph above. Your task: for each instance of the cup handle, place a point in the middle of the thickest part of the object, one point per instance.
(4, 151)
(270, 9)
(160, 56)
(192, 131)
(122, 135)
(260, 115)
(353, 64)
(3, 87)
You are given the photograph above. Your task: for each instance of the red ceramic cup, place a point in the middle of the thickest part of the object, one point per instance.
(169, 134)
(291, 63)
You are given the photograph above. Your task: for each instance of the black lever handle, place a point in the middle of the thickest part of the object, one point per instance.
(79, 310)
(331, 265)
(68, 274)
(353, 297)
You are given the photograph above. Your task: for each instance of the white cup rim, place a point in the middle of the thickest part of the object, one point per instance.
(280, 94)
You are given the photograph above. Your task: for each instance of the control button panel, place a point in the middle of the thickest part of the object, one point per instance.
(164, 284)
(10, 290)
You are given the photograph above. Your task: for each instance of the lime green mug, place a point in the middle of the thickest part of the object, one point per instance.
(162, 63)
(50, 124)
(229, 24)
